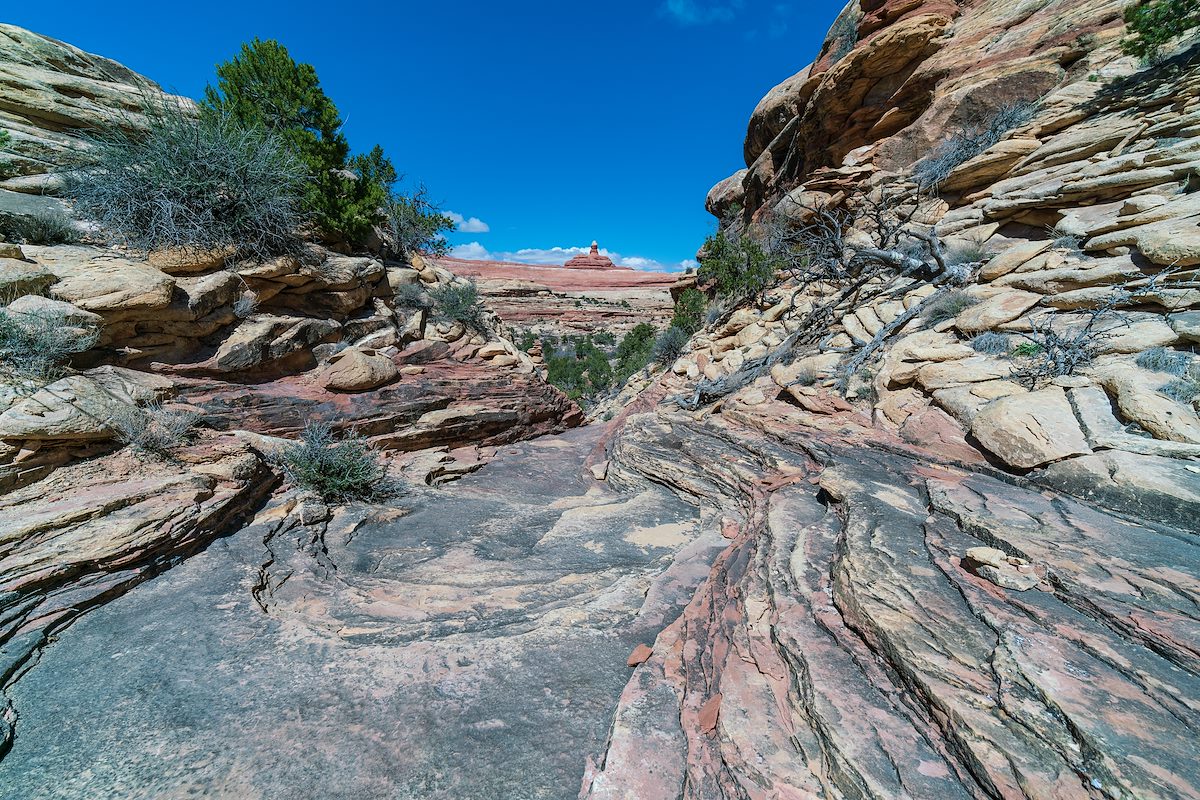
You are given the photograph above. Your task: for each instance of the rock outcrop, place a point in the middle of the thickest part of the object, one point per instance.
(591, 260)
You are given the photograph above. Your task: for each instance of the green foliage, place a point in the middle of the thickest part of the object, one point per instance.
(581, 370)
(416, 226)
(739, 266)
(458, 302)
(689, 311)
(5, 141)
(604, 338)
(526, 340)
(633, 353)
(338, 470)
(48, 227)
(1154, 23)
(35, 346)
(1027, 350)
(412, 295)
(669, 345)
(264, 88)
(191, 181)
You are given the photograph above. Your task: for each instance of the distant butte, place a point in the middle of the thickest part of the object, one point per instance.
(593, 260)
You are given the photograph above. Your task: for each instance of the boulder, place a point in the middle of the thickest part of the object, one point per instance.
(1002, 307)
(357, 370)
(1029, 430)
(19, 277)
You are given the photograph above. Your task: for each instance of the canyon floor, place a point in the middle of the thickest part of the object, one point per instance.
(463, 642)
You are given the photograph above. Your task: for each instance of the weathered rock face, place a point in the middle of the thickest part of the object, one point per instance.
(570, 302)
(50, 90)
(895, 77)
(886, 625)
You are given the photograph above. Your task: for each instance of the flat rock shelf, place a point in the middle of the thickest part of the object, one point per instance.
(469, 642)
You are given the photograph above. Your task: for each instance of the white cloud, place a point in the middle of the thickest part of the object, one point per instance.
(474, 251)
(701, 12)
(556, 256)
(468, 224)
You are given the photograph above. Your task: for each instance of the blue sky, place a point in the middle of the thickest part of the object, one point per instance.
(548, 124)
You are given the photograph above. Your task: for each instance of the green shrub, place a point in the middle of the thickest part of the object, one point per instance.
(153, 428)
(525, 340)
(739, 266)
(604, 338)
(669, 345)
(947, 306)
(35, 346)
(689, 311)
(1027, 350)
(338, 470)
(633, 353)
(415, 226)
(991, 343)
(968, 251)
(48, 227)
(1154, 23)
(458, 302)
(191, 181)
(581, 370)
(1160, 359)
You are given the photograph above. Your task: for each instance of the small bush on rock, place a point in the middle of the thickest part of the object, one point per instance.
(970, 142)
(415, 226)
(947, 306)
(48, 227)
(1160, 359)
(191, 181)
(338, 470)
(154, 429)
(35, 346)
(669, 345)
(1183, 390)
(458, 302)
(412, 295)
(991, 343)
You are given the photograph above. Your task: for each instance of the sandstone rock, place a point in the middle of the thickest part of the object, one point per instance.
(357, 370)
(967, 370)
(995, 310)
(267, 338)
(44, 307)
(1000, 568)
(1030, 430)
(75, 408)
(1135, 395)
(1187, 325)
(105, 284)
(19, 277)
(1011, 258)
(188, 261)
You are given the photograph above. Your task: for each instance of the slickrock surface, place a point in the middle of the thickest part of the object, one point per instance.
(470, 643)
(570, 302)
(847, 645)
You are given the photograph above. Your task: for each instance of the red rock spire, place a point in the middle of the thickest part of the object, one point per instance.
(591, 260)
